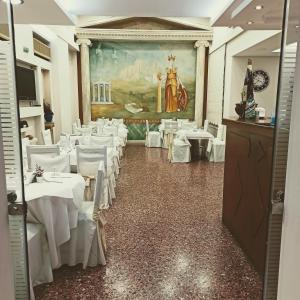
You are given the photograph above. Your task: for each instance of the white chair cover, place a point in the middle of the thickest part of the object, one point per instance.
(88, 159)
(86, 131)
(102, 140)
(109, 129)
(180, 121)
(188, 125)
(78, 123)
(216, 147)
(206, 123)
(181, 152)
(153, 138)
(100, 128)
(47, 138)
(117, 121)
(162, 121)
(59, 163)
(170, 129)
(87, 242)
(75, 128)
(102, 121)
(38, 255)
(113, 153)
(45, 150)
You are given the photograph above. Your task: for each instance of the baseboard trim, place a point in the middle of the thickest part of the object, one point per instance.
(136, 142)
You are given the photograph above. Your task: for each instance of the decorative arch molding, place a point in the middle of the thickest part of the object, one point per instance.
(146, 35)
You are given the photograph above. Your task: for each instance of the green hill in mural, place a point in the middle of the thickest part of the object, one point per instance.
(144, 95)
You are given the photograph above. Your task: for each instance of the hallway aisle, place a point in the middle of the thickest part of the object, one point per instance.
(165, 238)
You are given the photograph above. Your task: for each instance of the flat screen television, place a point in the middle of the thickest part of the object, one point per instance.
(25, 84)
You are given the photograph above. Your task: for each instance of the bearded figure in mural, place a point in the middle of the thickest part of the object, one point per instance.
(176, 96)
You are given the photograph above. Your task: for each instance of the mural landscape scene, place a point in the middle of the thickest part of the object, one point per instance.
(147, 80)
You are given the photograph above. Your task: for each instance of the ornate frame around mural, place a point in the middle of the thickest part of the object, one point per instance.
(202, 39)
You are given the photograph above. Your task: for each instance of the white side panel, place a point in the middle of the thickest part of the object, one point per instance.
(215, 85)
(289, 272)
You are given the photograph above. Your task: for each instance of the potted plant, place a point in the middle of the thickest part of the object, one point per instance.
(48, 113)
(39, 174)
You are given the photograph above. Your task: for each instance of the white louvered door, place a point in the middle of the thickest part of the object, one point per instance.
(10, 153)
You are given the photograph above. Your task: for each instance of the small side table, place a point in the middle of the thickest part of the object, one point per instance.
(50, 125)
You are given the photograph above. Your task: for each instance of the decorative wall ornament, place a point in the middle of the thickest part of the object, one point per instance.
(261, 80)
(148, 35)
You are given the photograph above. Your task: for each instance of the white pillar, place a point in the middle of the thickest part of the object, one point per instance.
(200, 69)
(85, 78)
(104, 92)
(109, 92)
(98, 93)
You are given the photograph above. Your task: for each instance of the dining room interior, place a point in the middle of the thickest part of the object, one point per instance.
(146, 156)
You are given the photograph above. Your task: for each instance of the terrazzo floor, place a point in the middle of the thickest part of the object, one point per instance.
(165, 237)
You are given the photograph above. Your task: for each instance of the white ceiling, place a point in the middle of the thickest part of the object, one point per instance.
(264, 48)
(37, 12)
(240, 12)
(145, 8)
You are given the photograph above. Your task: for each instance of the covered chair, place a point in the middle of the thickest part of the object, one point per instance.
(216, 147)
(48, 151)
(40, 269)
(78, 123)
(85, 131)
(153, 138)
(170, 129)
(59, 163)
(88, 160)
(47, 138)
(87, 243)
(205, 127)
(112, 151)
(181, 150)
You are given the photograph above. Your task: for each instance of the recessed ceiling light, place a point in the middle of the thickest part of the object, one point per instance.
(250, 22)
(259, 7)
(14, 2)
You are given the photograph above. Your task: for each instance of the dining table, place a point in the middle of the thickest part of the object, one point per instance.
(55, 203)
(198, 139)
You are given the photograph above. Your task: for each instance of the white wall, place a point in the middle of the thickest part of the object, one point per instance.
(215, 85)
(236, 42)
(62, 79)
(289, 271)
(265, 98)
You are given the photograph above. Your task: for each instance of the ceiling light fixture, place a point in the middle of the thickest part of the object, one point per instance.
(250, 22)
(14, 2)
(259, 7)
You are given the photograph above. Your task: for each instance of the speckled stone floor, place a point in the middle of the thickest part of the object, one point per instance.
(165, 237)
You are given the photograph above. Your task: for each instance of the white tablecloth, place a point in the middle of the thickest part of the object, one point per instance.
(55, 205)
(195, 134)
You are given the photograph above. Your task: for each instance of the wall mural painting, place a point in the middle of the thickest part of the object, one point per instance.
(142, 80)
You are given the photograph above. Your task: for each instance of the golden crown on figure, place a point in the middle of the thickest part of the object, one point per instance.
(171, 57)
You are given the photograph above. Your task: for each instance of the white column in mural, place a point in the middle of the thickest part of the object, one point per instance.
(200, 69)
(109, 92)
(99, 93)
(104, 93)
(85, 78)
